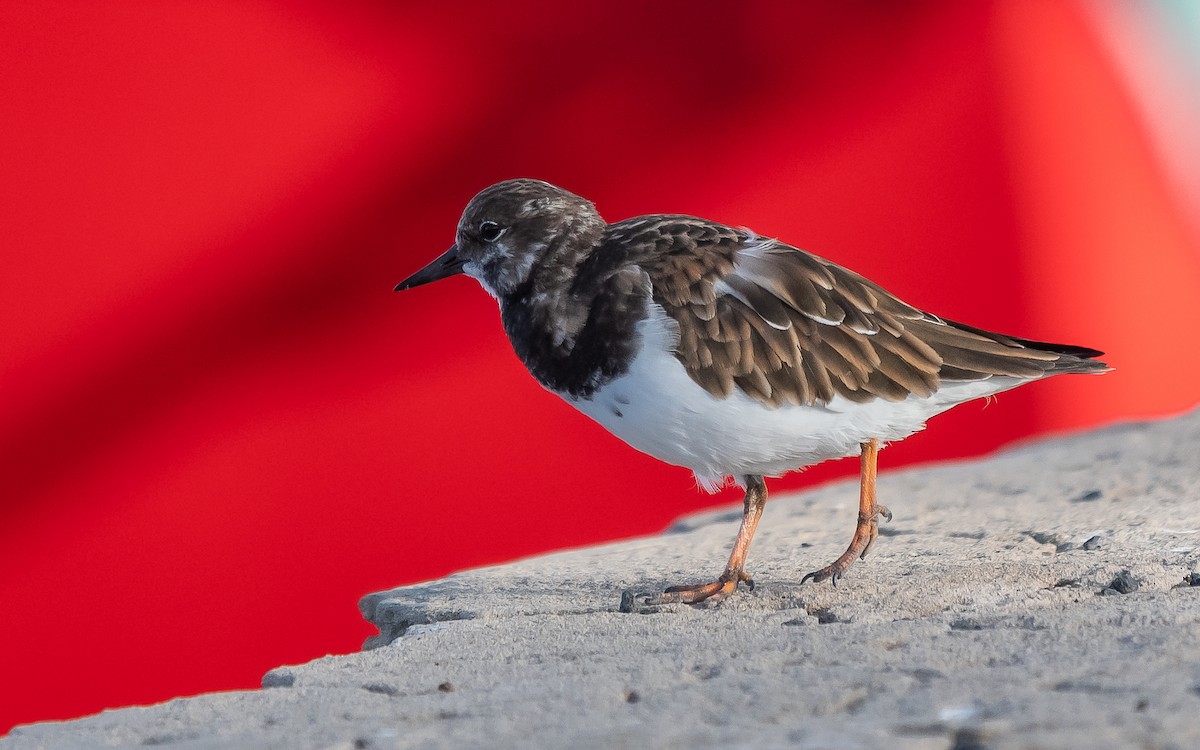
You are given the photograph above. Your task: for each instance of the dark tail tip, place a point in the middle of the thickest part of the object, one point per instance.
(1082, 352)
(1076, 359)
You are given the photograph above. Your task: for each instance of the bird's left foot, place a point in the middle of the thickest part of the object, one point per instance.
(867, 528)
(860, 545)
(700, 593)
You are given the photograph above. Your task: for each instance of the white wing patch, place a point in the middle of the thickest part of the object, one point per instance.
(722, 288)
(759, 249)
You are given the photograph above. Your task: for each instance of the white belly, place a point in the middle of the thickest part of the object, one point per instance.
(656, 408)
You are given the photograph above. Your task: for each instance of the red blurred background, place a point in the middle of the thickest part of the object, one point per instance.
(219, 427)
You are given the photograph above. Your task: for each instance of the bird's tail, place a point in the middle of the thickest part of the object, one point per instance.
(1072, 359)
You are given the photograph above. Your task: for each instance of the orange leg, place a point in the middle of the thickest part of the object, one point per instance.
(868, 524)
(727, 583)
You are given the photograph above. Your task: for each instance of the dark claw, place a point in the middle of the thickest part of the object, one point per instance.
(816, 576)
(640, 604)
(824, 574)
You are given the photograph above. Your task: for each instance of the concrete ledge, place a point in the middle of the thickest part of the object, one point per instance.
(1045, 597)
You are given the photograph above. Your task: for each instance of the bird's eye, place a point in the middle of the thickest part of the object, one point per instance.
(490, 231)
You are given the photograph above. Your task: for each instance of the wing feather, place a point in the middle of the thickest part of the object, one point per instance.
(788, 327)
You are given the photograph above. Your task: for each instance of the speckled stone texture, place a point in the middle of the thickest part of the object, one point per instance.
(1046, 597)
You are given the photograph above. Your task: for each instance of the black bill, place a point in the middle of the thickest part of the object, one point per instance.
(445, 265)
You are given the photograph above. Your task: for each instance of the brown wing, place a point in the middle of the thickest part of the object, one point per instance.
(785, 326)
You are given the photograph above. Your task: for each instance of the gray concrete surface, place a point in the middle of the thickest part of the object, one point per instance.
(1045, 598)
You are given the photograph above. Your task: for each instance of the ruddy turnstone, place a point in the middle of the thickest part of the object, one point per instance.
(722, 351)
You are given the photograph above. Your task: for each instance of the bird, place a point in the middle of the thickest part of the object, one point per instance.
(734, 355)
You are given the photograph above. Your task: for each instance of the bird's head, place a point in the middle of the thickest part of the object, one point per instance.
(510, 228)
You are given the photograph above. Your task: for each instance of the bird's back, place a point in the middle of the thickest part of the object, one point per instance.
(787, 327)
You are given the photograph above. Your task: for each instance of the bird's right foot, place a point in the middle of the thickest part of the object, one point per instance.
(701, 593)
